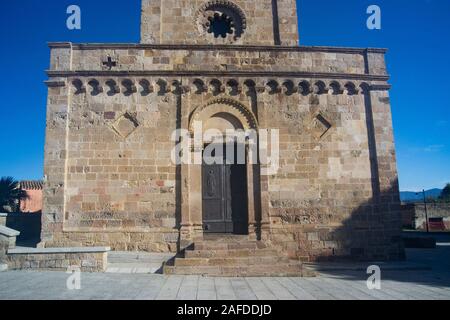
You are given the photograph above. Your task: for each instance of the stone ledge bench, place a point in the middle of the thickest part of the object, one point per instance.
(3, 217)
(88, 259)
(7, 242)
(8, 236)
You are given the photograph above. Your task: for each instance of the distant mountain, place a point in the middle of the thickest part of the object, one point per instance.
(408, 196)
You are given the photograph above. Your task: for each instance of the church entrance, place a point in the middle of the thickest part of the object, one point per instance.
(224, 185)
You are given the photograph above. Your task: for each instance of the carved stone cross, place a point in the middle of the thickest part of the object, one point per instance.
(110, 63)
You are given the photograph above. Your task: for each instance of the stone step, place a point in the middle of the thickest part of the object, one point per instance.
(228, 245)
(230, 253)
(225, 237)
(131, 268)
(234, 256)
(138, 257)
(237, 262)
(274, 270)
(137, 262)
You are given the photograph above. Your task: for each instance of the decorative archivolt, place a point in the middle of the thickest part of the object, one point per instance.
(216, 87)
(224, 105)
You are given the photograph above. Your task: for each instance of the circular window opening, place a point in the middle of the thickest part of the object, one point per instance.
(221, 19)
(220, 25)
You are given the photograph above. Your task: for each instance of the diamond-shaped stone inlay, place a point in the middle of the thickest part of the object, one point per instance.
(125, 125)
(320, 126)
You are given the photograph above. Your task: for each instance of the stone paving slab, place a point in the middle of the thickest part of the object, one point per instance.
(431, 283)
(133, 268)
(351, 285)
(136, 262)
(387, 266)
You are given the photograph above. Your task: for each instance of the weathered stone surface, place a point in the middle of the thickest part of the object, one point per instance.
(59, 251)
(110, 180)
(87, 259)
(255, 22)
(3, 217)
(414, 216)
(8, 236)
(8, 232)
(236, 257)
(4, 245)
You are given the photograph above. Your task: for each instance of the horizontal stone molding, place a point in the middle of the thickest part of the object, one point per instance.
(8, 236)
(7, 232)
(127, 46)
(193, 73)
(58, 250)
(219, 86)
(55, 83)
(381, 87)
(119, 230)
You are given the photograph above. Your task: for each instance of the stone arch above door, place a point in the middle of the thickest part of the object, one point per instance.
(234, 114)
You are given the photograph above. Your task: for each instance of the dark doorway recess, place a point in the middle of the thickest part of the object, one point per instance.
(225, 204)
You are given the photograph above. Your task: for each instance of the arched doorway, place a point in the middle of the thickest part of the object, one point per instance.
(226, 191)
(224, 177)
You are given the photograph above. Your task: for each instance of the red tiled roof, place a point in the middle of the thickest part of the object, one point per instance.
(31, 185)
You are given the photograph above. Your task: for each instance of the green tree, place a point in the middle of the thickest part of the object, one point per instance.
(10, 194)
(445, 195)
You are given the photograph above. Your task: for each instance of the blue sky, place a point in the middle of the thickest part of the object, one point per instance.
(416, 32)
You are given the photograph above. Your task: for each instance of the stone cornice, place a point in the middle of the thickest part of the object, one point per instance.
(127, 46)
(55, 83)
(165, 73)
(224, 88)
(380, 87)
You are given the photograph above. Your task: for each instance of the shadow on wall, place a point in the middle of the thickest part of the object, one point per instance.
(373, 229)
(372, 232)
(29, 226)
(373, 236)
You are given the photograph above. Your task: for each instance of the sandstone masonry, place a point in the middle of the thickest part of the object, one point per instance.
(112, 109)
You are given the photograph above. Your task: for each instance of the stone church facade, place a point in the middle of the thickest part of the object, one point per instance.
(235, 64)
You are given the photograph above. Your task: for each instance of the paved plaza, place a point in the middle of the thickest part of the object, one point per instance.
(426, 275)
(52, 285)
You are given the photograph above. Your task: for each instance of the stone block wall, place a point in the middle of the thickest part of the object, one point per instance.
(336, 193)
(184, 59)
(7, 241)
(266, 22)
(408, 213)
(109, 176)
(417, 218)
(4, 245)
(120, 177)
(87, 262)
